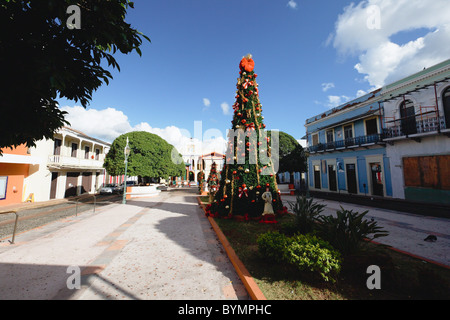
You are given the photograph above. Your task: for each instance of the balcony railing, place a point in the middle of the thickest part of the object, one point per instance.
(74, 162)
(353, 142)
(413, 125)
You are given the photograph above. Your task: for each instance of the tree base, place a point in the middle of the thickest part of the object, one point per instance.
(268, 218)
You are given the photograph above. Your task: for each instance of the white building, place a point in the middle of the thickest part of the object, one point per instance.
(72, 164)
(417, 134)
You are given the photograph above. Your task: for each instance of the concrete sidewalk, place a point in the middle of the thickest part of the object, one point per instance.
(406, 231)
(151, 248)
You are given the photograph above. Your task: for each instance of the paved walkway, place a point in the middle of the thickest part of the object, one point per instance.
(406, 231)
(151, 248)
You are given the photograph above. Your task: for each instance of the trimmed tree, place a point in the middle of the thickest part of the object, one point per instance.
(213, 181)
(151, 157)
(249, 169)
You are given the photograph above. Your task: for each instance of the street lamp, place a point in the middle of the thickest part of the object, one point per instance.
(126, 152)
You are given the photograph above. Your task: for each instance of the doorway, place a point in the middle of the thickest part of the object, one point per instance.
(332, 177)
(317, 177)
(446, 100)
(351, 178)
(71, 184)
(53, 185)
(377, 179)
(408, 117)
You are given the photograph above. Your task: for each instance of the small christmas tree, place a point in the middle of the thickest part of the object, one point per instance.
(213, 181)
(201, 182)
(248, 172)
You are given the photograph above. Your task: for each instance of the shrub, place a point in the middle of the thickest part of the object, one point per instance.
(308, 252)
(348, 230)
(307, 213)
(305, 252)
(272, 245)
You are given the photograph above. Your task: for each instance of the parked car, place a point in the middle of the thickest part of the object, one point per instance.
(108, 189)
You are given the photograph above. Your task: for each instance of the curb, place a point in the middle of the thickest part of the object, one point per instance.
(250, 285)
(413, 255)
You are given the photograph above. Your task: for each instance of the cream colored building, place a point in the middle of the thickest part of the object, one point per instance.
(71, 164)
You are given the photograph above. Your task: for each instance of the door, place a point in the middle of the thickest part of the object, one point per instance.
(446, 98)
(71, 184)
(317, 177)
(53, 185)
(332, 177)
(86, 182)
(57, 147)
(408, 117)
(377, 179)
(351, 178)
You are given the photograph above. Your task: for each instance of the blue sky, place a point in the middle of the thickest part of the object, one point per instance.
(307, 57)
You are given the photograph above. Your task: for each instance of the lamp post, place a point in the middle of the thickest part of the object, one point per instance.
(126, 152)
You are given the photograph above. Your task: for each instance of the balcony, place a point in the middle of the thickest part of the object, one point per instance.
(63, 162)
(414, 126)
(348, 143)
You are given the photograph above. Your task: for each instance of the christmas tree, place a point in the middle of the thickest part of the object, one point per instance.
(213, 181)
(248, 187)
(201, 182)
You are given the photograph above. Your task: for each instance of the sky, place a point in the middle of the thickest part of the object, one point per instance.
(310, 56)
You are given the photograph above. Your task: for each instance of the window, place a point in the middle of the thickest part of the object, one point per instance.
(371, 127)
(97, 154)
(427, 172)
(315, 139)
(348, 131)
(74, 150)
(330, 135)
(3, 185)
(86, 152)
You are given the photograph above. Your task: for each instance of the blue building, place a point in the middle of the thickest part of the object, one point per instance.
(346, 151)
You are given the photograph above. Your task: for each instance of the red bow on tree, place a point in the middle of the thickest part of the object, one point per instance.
(243, 191)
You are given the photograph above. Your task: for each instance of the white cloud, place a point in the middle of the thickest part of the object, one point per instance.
(292, 4)
(334, 101)
(206, 102)
(225, 108)
(367, 30)
(327, 86)
(107, 124)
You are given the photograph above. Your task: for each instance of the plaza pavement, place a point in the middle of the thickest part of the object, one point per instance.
(406, 231)
(161, 247)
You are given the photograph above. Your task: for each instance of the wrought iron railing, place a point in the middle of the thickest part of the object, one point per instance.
(347, 143)
(412, 125)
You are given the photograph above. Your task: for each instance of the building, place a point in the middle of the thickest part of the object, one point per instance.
(205, 161)
(71, 164)
(346, 151)
(417, 132)
(14, 168)
(393, 142)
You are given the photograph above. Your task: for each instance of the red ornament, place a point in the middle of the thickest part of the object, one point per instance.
(244, 121)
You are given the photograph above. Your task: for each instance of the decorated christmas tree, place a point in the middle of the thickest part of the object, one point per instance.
(248, 187)
(213, 181)
(201, 182)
